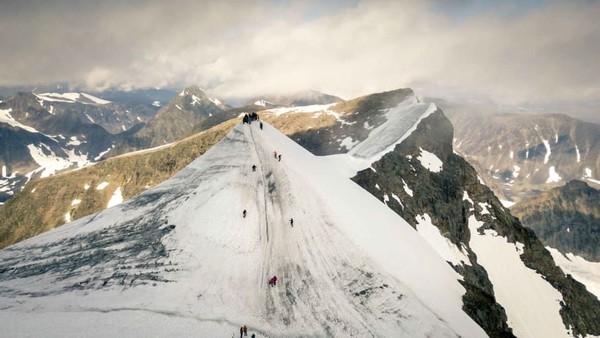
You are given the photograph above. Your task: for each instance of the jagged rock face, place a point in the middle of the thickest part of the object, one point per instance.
(565, 218)
(174, 121)
(522, 155)
(440, 195)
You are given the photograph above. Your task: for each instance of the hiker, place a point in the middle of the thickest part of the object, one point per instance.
(260, 125)
(273, 281)
(244, 213)
(275, 154)
(292, 222)
(241, 331)
(253, 336)
(279, 157)
(245, 330)
(245, 119)
(253, 167)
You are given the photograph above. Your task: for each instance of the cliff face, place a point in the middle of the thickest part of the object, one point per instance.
(566, 218)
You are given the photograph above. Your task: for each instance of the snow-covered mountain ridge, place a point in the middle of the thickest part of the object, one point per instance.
(439, 194)
(208, 267)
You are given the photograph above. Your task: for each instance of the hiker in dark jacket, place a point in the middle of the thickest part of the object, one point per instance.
(292, 222)
(245, 330)
(244, 213)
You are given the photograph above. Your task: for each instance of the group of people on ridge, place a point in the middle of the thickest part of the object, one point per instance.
(248, 118)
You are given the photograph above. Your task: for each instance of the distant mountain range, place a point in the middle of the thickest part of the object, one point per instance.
(520, 156)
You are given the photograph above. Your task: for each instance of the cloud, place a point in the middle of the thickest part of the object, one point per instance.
(234, 49)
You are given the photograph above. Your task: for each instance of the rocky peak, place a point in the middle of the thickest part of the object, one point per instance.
(566, 218)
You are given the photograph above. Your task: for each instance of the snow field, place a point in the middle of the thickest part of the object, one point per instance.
(531, 303)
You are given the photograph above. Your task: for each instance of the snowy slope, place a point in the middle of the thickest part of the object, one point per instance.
(180, 260)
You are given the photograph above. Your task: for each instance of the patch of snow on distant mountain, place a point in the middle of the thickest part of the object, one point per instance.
(156, 103)
(94, 99)
(99, 157)
(582, 270)
(73, 141)
(47, 159)
(430, 161)
(76, 202)
(262, 103)
(196, 100)
(303, 109)
(446, 249)
(216, 102)
(553, 176)
(68, 217)
(116, 198)
(548, 151)
(532, 305)
(5, 117)
(102, 185)
(516, 171)
(578, 154)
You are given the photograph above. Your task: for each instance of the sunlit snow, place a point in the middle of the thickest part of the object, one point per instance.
(553, 176)
(532, 305)
(116, 198)
(548, 151)
(430, 161)
(582, 270)
(102, 185)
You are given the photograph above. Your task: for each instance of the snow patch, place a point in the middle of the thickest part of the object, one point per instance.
(548, 151)
(430, 161)
(532, 305)
(407, 189)
(156, 103)
(485, 208)
(446, 249)
(86, 187)
(68, 217)
(553, 176)
(394, 196)
(116, 198)
(582, 270)
(578, 154)
(507, 203)
(75, 202)
(516, 170)
(102, 185)
(5, 117)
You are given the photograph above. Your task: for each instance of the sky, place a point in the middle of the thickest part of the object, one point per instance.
(513, 52)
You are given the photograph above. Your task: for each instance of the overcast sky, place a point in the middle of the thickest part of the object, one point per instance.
(510, 51)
